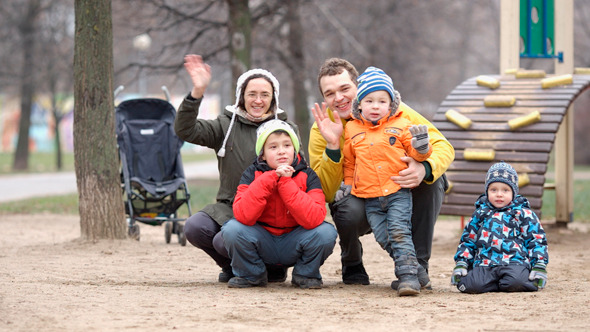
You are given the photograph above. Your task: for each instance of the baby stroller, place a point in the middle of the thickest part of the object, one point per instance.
(152, 175)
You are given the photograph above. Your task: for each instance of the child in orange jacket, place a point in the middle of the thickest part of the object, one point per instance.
(374, 143)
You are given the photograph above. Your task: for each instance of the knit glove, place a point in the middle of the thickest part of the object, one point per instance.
(342, 192)
(459, 271)
(538, 275)
(420, 138)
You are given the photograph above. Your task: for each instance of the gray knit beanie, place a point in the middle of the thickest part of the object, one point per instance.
(503, 172)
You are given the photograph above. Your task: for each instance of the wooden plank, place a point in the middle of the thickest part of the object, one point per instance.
(498, 117)
(463, 210)
(504, 145)
(500, 126)
(479, 177)
(504, 90)
(478, 188)
(532, 85)
(499, 136)
(510, 80)
(456, 210)
(467, 111)
(483, 166)
(519, 97)
(469, 200)
(511, 156)
(519, 103)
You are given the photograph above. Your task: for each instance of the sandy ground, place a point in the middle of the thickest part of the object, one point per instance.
(51, 281)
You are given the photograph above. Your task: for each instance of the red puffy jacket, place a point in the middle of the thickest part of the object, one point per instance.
(280, 204)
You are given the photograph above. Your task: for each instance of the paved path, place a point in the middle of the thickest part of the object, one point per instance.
(17, 187)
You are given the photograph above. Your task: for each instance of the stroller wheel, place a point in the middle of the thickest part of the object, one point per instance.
(181, 235)
(168, 230)
(134, 232)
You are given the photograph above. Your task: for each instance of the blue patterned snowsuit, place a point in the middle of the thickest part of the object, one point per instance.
(508, 239)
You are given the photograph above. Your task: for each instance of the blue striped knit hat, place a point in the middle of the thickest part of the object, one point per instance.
(505, 173)
(374, 79)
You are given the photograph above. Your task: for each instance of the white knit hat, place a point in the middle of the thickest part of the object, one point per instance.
(252, 72)
(239, 86)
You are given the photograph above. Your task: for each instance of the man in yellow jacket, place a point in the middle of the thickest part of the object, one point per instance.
(337, 82)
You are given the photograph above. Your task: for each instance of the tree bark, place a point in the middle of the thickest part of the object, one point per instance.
(240, 34)
(297, 69)
(95, 151)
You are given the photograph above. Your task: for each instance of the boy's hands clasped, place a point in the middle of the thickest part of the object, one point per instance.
(285, 170)
(420, 138)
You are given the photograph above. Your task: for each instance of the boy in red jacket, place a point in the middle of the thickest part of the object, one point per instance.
(279, 212)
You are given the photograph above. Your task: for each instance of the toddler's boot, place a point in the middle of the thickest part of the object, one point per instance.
(406, 271)
(408, 285)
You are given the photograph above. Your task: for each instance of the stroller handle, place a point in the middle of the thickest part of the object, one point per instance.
(118, 90)
(166, 92)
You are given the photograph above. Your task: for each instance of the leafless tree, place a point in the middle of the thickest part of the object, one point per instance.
(95, 151)
(55, 66)
(27, 28)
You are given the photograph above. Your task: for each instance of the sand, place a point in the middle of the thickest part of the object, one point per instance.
(52, 281)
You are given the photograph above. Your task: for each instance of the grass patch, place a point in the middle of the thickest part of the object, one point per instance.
(62, 204)
(41, 162)
(581, 198)
(202, 193)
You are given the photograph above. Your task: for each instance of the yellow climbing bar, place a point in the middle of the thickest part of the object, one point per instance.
(458, 119)
(450, 187)
(550, 82)
(524, 120)
(487, 81)
(510, 71)
(582, 71)
(479, 154)
(499, 101)
(523, 180)
(530, 73)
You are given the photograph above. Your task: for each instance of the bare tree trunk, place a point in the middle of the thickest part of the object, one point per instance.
(56, 118)
(27, 29)
(240, 32)
(296, 65)
(95, 152)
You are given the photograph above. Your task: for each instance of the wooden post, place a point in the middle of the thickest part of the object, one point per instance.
(564, 140)
(509, 35)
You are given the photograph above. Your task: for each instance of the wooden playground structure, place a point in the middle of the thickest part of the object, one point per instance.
(519, 116)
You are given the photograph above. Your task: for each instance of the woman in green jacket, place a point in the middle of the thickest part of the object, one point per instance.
(233, 136)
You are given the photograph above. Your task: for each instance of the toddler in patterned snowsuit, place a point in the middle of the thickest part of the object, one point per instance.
(503, 248)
